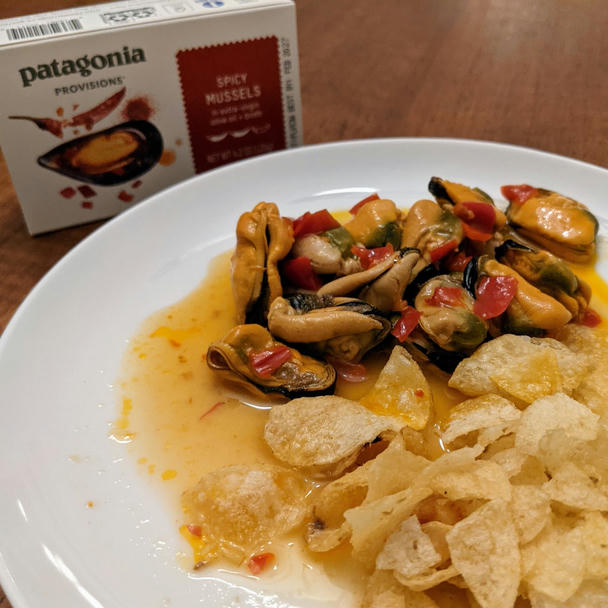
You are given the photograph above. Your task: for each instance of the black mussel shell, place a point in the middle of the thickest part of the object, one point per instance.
(411, 291)
(82, 159)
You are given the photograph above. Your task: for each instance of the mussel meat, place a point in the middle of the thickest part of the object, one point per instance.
(376, 224)
(547, 272)
(556, 222)
(263, 238)
(447, 314)
(452, 193)
(340, 328)
(239, 358)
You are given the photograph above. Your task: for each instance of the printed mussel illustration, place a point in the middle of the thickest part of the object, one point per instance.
(109, 157)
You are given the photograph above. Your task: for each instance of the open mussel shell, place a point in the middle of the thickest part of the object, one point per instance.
(109, 157)
(341, 328)
(300, 376)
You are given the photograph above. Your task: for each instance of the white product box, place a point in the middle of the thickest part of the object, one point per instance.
(104, 105)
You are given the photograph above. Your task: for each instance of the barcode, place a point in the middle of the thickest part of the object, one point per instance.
(43, 29)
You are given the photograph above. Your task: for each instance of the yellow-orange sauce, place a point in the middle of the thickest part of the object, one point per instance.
(181, 422)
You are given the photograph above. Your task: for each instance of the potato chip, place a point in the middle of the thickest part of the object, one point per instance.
(554, 412)
(573, 488)
(510, 460)
(478, 479)
(591, 594)
(401, 390)
(240, 507)
(480, 413)
(374, 522)
(408, 550)
(546, 364)
(383, 591)
(323, 435)
(531, 511)
(595, 539)
(532, 472)
(554, 562)
(437, 531)
(484, 549)
(422, 582)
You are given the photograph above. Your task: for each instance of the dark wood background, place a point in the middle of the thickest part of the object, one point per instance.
(533, 73)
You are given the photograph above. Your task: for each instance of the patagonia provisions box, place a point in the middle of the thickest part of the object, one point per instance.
(104, 105)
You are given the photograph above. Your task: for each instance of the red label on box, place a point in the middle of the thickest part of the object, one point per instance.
(232, 98)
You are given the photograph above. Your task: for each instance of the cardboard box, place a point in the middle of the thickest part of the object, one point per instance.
(104, 105)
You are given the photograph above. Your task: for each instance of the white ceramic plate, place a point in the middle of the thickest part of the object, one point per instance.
(61, 353)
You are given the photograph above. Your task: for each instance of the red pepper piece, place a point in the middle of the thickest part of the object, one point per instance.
(266, 362)
(125, 196)
(447, 297)
(87, 191)
(494, 294)
(68, 192)
(313, 223)
(591, 318)
(457, 261)
(350, 372)
(406, 324)
(195, 530)
(299, 272)
(367, 199)
(478, 219)
(258, 563)
(518, 194)
(442, 250)
(371, 257)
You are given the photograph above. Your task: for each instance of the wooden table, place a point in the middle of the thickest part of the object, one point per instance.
(528, 73)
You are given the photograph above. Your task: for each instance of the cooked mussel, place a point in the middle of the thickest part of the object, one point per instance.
(531, 311)
(376, 224)
(447, 314)
(381, 285)
(451, 193)
(556, 222)
(328, 252)
(432, 230)
(342, 328)
(547, 272)
(109, 157)
(249, 356)
(263, 238)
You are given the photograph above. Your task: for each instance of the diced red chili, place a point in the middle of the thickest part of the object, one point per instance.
(68, 192)
(195, 530)
(350, 372)
(87, 191)
(125, 196)
(406, 323)
(313, 223)
(355, 208)
(591, 318)
(447, 297)
(493, 296)
(457, 261)
(518, 194)
(371, 257)
(266, 362)
(258, 563)
(86, 204)
(442, 250)
(419, 393)
(478, 219)
(299, 272)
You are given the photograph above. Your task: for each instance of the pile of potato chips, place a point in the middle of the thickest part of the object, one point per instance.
(516, 507)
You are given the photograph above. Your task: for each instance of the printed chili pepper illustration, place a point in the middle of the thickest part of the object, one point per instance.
(86, 119)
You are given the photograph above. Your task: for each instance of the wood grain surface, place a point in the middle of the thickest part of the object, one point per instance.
(516, 71)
